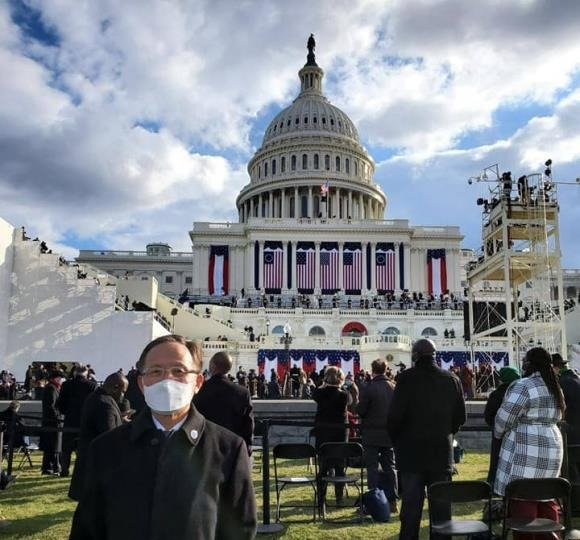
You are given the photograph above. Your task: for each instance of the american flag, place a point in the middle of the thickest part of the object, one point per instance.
(273, 264)
(305, 268)
(352, 269)
(324, 189)
(328, 269)
(385, 270)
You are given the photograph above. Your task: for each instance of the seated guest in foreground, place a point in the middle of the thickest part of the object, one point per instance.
(170, 474)
(531, 441)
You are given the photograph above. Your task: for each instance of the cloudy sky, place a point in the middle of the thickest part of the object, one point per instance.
(122, 123)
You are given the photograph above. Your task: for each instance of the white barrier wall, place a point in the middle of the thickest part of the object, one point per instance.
(6, 262)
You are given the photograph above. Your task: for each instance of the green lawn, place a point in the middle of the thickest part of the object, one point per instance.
(38, 508)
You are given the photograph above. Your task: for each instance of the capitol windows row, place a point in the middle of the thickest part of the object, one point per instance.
(306, 123)
(271, 168)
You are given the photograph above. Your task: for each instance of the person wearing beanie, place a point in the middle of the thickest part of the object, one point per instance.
(507, 375)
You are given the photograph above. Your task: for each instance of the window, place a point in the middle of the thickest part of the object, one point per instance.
(347, 166)
(317, 331)
(292, 211)
(297, 121)
(315, 120)
(188, 280)
(293, 163)
(391, 331)
(337, 162)
(273, 167)
(327, 162)
(332, 121)
(265, 169)
(316, 161)
(283, 164)
(304, 161)
(324, 120)
(288, 123)
(304, 205)
(356, 168)
(259, 171)
(275, 126)
(429, 332)
(306, 119)
(168, 279)
(278, 329)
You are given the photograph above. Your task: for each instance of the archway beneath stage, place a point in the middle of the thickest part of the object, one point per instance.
(354, 329)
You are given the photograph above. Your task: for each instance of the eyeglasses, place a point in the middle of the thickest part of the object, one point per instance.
(176, 372)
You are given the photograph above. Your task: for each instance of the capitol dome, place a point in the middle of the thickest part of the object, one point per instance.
(311, 144)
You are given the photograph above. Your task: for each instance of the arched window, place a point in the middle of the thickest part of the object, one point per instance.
(283, 164)
(304, 206)
(337, 163)
(297, 121)
(265, 169)
(293, 163)
(273, 167)
(347, 166)
(259, 171)
(327, 162)
(304, 161)
(316, 161)
(306, 119)
(278, 329)
(324, 120)
(428, 332)
(316, 331)
(391, 331)
(315, 120)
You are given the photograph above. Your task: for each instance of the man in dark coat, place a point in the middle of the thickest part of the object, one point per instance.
(224, 402)
(73, 394)
(170, 474)
(100, 414)
(50, 417)
(373, 407)
(426, 411)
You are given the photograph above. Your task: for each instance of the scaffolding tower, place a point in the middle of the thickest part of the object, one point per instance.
(515, 288)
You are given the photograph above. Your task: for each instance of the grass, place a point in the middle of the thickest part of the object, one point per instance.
(38, 507)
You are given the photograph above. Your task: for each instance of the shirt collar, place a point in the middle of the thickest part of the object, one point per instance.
(158, 425)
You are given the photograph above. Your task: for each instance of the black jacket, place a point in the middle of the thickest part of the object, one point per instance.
(100, 414)
(227, 404)
(570, 383)
(426, 411)
(373, 407)
(140, 486)
(331, 404)
(50, 417)
(491, 407)
(71, 398)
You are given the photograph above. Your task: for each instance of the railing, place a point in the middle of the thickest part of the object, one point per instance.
(108, 253)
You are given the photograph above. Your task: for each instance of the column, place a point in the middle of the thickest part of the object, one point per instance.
(294, 283)
(397, 280)
(261, 266)
(271, 204)
(317, 267)
(285, 266)
(283, 203)
(361, 214)
(248, 268)
(296, 213)
(336, 205)
(407, 269)
(310, 203)
(252, 207)
(350, 212)
(364, 267)
(370, 208)
(260, 204)
(373, 263)
(340, 266)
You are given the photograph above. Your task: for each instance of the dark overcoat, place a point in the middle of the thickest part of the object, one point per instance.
(491, 407)
(227, 404)
(373, 407)
(100, 414)
(50, 417)
(426, 411)
(140, 486)
(70, 403)
(331, 404)
(570, 383)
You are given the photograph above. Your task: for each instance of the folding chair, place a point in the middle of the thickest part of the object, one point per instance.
(539, 490)
(572, 462)
(295, 452)
(257, 445)
(441, 497)
(348, 453)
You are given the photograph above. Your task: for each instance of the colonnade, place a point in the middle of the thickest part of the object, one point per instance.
(301, 202)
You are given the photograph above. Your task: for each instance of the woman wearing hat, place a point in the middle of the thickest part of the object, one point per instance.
(531, 441)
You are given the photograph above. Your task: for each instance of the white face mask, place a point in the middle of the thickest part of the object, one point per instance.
(168, 396)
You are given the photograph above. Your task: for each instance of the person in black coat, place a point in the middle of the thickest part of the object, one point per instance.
(507, 375)
(100, 414)
(426, 411)
(9, 418)
(73, 394)
(226, 403)
(170, 474)
(50, 418)
(373, 407)
(331, 408)
(134, 394)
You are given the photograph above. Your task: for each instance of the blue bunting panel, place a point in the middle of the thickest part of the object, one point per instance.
(446, 359)
(307, 359)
